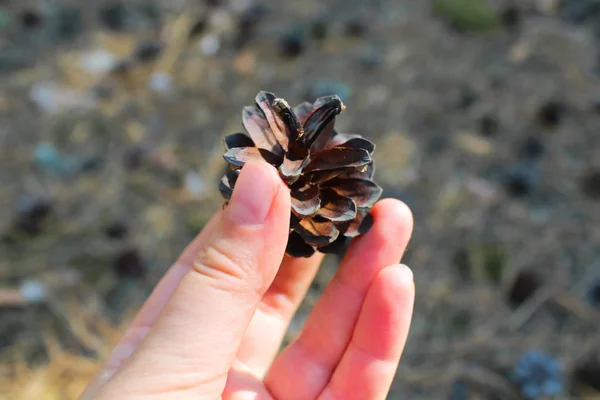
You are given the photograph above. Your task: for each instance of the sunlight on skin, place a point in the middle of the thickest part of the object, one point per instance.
(214, 324)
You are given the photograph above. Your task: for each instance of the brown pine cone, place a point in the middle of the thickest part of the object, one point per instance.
(329, 174)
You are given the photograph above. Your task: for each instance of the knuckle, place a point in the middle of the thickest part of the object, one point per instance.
(225, 267)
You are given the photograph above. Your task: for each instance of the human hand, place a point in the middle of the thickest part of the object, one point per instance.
(213, 326)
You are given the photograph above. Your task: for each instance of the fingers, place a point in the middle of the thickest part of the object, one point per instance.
(150, 311)
(369, 364)
(195, 338)
(277, 307)
(312, 358)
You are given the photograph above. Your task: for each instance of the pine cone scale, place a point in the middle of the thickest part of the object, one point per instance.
(329, 174)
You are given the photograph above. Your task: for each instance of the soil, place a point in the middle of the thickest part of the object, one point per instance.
(111, 125)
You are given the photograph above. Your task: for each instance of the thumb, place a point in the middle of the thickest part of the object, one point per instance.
(190, 348)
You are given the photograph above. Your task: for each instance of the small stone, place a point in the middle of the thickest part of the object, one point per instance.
(198, 27)
(134, 157)
(115, 16)
(292, 43)
(147, 51)
(511, 16)
(587, 370)
(593, 294)
(160, 82)
(532, 148)
(103, 90)
(355, 27)
(32, 214)
(551, 113)
(31, 19)
(116, 230)
(98, 61)
(590, 184)
(521, 180)
(247, 23)
(210, 45)
(48, 158)
(52, 98)
(488, 125)
(462, 262)
(538, 375)
(525, 285)
(195, 184)
(466, 97)
(33, 291)
(129, 264)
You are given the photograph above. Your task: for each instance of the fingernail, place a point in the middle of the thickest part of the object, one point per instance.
(404, 271)
(252, 195)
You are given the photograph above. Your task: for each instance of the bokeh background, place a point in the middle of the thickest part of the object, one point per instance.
(485, 114)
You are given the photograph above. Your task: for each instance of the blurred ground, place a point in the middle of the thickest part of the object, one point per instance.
(486, 118)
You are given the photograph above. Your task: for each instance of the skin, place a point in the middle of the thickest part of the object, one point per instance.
(213, 325)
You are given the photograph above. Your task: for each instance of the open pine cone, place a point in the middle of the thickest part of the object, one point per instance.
(329, 174)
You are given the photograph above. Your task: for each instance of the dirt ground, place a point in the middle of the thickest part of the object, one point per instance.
(111, 125)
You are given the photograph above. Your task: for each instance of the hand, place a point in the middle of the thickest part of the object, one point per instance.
(213, 326)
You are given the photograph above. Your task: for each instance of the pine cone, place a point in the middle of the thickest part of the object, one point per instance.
(329, 174)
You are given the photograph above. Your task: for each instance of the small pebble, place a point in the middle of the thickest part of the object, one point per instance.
(292, 43)
(488, 125)
(587, 370)
(116, 230)
(355, 27)
(590, 184)
(247, 23)
(114, 16)
(511, 16)
(195, 184)
(198, 27)
(210, 45)
(538, 375)
(98, 61)
(521, 180)
(33, 291)
(551, 113)
(32, 214)
(525, 285)
(160, 82)
(129, 264)
(466, 97)
(134, 157)
(48, 158)
(52, 98)
(532, 148)
(147, 51)
(593, 294)
(31, 19)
